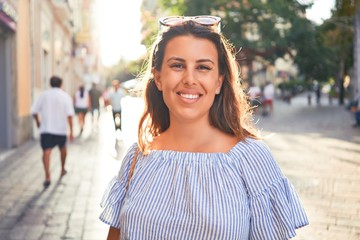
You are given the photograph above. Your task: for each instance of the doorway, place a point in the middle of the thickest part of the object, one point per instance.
(5, 91)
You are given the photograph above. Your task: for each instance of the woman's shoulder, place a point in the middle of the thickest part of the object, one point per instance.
(250, 146)
(132, 148)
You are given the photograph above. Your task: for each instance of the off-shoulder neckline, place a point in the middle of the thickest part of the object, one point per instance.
(168, 151)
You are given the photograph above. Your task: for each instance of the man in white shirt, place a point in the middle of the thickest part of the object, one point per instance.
(52, 111)
(115, 101)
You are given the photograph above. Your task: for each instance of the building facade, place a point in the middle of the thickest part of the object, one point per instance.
(15, 79)
(51, 43)
(37, 40)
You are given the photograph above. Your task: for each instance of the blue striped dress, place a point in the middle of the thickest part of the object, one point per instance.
(241, 194)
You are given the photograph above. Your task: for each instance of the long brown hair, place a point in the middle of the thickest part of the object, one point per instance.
(230, 111)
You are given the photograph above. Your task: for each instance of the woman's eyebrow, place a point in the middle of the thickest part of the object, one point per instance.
(205, 60)
(175, 59)
(198, 61)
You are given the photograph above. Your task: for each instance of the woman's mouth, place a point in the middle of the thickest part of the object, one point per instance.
(189, 96)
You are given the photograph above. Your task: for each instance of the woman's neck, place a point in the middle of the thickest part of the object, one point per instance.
(194, 137)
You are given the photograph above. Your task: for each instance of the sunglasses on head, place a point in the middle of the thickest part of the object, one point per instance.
(212, 22)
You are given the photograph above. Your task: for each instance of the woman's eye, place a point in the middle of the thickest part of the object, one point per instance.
(177, 65)
(204, 67)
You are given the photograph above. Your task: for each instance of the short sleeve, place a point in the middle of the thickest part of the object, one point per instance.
(115, 192)
(275, 207)
(35, 108)
(70, 108)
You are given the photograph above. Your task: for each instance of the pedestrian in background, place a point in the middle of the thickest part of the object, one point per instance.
(115, 101)
(52, 111)
(318, 93)
(198, 170)
(82, 105)
(95, 96)
(268, 95)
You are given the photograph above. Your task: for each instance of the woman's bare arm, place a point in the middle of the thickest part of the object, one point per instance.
(114, 234)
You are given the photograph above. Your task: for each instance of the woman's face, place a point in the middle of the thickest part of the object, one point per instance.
(189, 78)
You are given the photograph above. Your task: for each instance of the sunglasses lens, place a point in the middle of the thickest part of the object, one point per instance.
(206, 21)
(172, 21)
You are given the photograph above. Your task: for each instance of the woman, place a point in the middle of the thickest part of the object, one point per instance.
(82, 105)
(200, 171)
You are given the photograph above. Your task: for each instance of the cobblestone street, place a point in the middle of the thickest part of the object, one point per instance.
(319, 152)
(316, 147)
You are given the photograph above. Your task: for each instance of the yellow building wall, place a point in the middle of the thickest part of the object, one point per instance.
(23, 58)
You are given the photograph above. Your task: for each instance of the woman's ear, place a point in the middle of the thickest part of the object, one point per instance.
(220, 81)
(157, 80)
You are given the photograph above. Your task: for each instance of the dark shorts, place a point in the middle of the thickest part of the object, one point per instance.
(81, 110)
(50, 140)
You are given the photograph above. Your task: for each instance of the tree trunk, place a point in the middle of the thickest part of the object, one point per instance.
(341, 82)
(357, 47)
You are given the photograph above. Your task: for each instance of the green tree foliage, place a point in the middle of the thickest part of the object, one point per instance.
(267, 30)
(337, 35)
(313, 57)
(150, 27)
(264, 29)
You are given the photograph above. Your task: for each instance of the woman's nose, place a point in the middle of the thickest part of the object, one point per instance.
(189, 77)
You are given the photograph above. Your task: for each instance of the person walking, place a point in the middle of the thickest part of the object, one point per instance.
(318, 89)
(115, 101)
(52, 111)
(95, 96)
(82, 105)
(199, 169)
(268, 94)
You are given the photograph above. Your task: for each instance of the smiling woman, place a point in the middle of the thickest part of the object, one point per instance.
(198, 169)
(118, 27)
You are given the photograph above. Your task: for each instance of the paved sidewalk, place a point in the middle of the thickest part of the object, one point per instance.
(70, 207)
(319, 152)
(315, 147)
